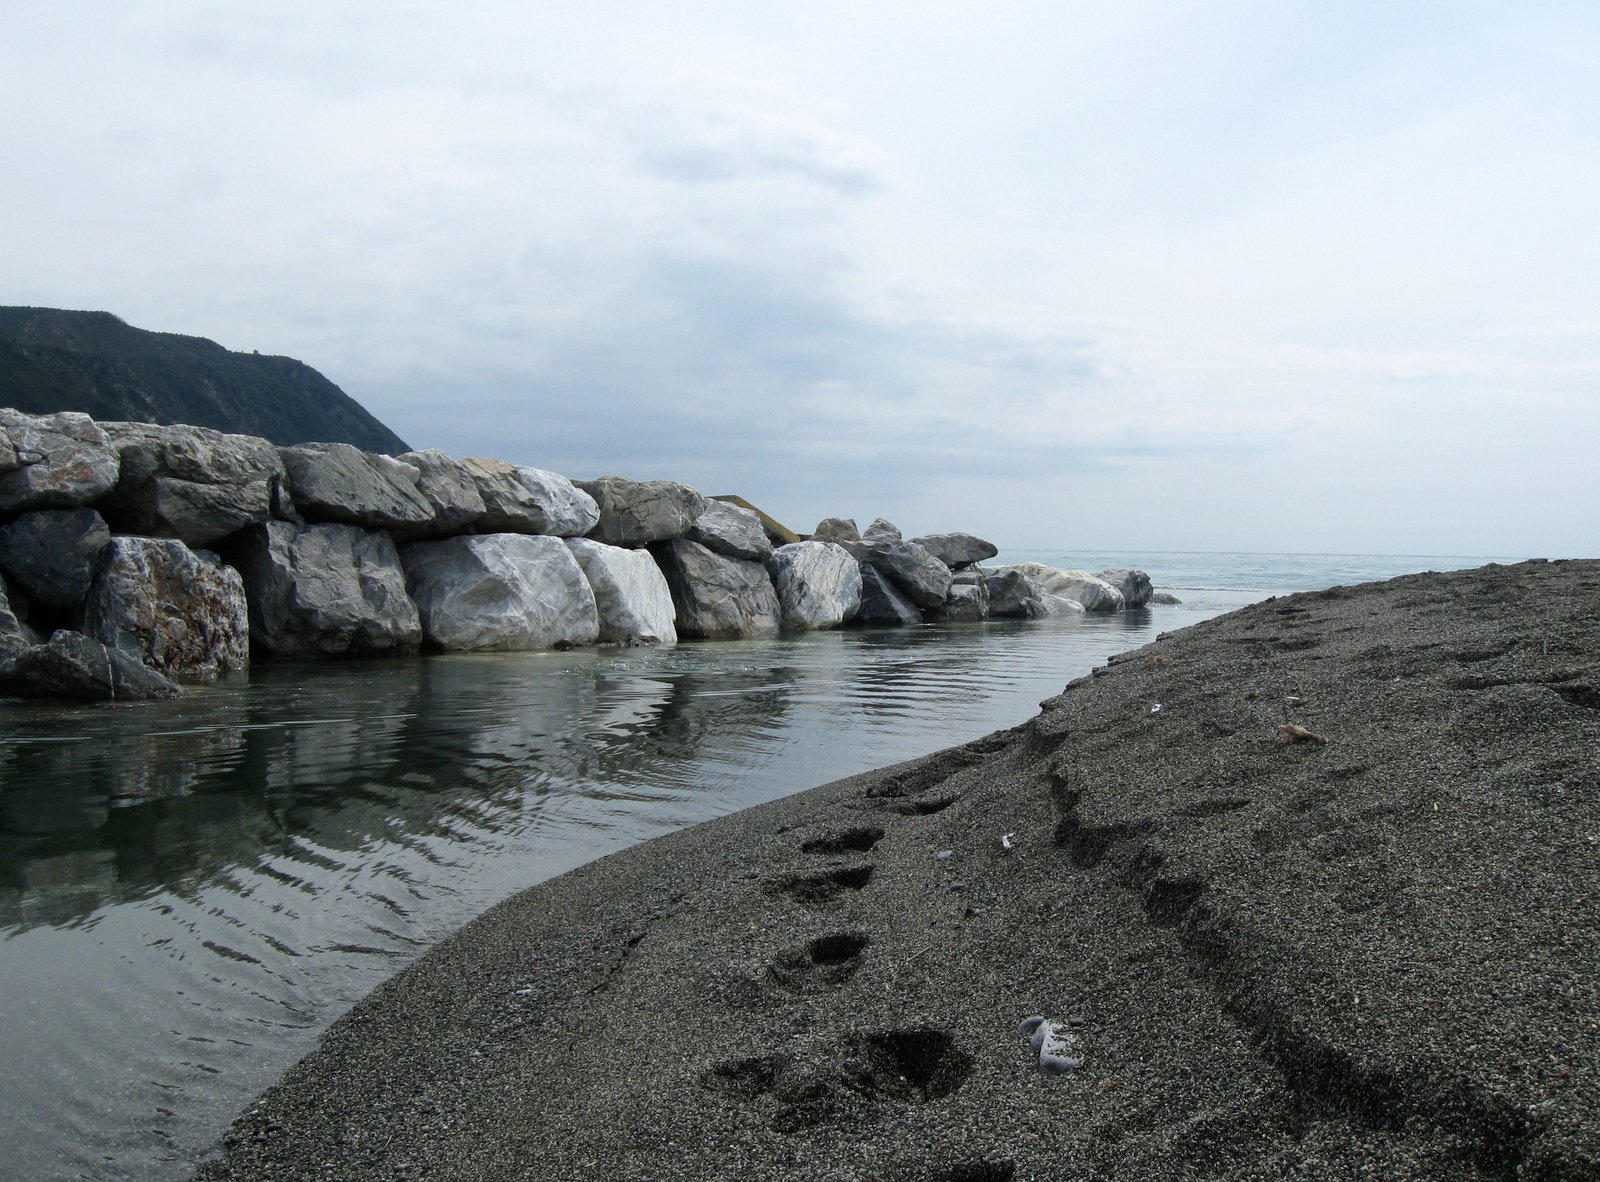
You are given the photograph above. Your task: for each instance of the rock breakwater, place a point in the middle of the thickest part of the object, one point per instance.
(187, 552)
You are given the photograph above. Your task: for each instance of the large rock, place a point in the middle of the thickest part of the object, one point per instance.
(189, 483)
(916, 572)
(15, 635)
(1013, 596)
(836, 529)
(1095, 594)
(636, 513)
(72, 665)
(326, 591)
(881, 528)
(57, 461)
(731, 530)
(449, 488)
(717, 598)
(180, 611)
(967, 602)
(882, 603)
(1134, 585)
(501, 592)
(630, 593)
(52, 554)
(520, 500)
(818, 584)
(338, 483)
(957, 550)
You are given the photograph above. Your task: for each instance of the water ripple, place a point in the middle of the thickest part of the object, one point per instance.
(191, 890)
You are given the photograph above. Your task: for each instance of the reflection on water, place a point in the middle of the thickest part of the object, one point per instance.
(190, 890)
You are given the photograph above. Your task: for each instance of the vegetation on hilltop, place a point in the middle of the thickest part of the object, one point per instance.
(53, 360)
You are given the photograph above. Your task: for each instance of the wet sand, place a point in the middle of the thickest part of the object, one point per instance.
(1374, 956)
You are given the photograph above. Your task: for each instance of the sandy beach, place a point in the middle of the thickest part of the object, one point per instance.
(1364, 946)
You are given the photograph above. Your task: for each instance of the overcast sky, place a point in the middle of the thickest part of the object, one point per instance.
(1172, 275)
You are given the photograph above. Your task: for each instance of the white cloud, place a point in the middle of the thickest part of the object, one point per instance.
(1132, 276)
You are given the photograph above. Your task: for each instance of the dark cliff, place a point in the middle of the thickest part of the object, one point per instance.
(52, 360)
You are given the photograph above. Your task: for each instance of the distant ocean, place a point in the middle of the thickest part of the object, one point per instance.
(191, 891)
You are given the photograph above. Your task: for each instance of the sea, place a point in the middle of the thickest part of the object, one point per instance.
(191, 891)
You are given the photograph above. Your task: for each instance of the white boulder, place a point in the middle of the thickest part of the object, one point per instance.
(818, 584)
(630, 593)
(500, 592)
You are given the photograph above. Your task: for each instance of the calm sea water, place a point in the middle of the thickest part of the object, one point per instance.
(191, 891)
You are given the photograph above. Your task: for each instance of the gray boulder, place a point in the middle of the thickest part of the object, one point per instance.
(57, 461)
(630, 593)
(500, 592)
(638, 512)
(340, 483)
(52, 554)
(717, 598)
(1133, 584)
(916, 572)
(180, 611)
(967, 602)
(72, 665)
(732, 531)
(1093, 593)
(1166, 599)
(818, 584)
(881, 529)
(520, 500)
(957, 550)
(1013, 596)
(325, 591)
(836, 529)
(882, 603)
(15, 635)
(189, 483)
(450, 491)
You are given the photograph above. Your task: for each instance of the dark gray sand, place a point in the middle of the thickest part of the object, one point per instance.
(1374, 957)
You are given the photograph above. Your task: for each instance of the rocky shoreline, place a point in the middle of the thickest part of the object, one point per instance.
(135, 557)
(1305, 891)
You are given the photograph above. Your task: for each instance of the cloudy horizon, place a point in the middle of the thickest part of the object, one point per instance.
(1157, 276)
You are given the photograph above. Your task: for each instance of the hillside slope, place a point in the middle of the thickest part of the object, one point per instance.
(53, 360)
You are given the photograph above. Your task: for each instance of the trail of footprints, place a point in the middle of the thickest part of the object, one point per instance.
(913, 1064)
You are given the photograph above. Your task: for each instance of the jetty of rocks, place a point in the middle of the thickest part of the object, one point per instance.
(135, 557)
